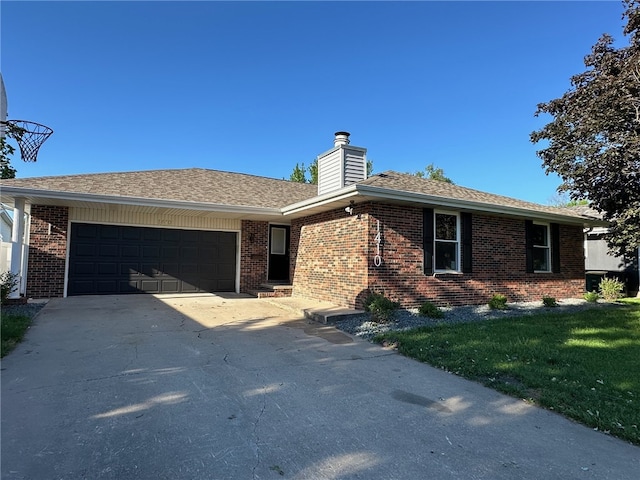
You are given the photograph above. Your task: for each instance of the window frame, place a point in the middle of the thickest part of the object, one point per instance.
(457, 241)
(547, 247)
(278, 241)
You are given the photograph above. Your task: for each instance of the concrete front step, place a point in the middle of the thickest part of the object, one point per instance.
(318, 311)
(268, 290)
(261, 293)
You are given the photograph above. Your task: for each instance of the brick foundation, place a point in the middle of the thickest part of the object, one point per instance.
(47, 251)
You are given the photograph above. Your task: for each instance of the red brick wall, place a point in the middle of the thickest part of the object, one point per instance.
(498, 263)
(47, 251)
(332, 258)
(328, 257)
(400, 274)
(253, 254)
(330, 261)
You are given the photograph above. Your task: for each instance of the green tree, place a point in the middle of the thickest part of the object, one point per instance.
(299, 173)
(434, 173)
(313, 172)
(563, 200)
(593, 141)
(7, 150)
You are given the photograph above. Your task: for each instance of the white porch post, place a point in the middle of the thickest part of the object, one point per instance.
(17, 242)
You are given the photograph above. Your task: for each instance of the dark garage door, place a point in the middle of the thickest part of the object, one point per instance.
(107, 259)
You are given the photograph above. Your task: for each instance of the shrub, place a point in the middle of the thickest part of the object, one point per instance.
(428, 309)
(8, 283)
(611, 288)
(591, 297)
(549, 302)
(380, 306)
(498, 302)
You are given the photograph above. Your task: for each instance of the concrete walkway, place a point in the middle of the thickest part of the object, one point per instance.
(320, 312)
(206, 387)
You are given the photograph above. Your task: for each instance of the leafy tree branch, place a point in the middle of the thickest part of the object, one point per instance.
(593, 141)
(434, 173)
(7, 150)
(299, 173)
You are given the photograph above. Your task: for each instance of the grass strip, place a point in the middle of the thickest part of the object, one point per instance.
(12, 330)
(584, 365)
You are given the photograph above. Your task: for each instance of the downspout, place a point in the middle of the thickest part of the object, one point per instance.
(586, 232)
(25, 252)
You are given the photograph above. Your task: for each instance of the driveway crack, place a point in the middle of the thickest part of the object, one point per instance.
(255, 430)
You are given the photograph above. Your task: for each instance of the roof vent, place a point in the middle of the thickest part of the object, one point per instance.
(342, 138)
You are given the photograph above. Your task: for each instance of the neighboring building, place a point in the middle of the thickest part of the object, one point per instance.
(600, 263)
(194, 230)
(6, 225)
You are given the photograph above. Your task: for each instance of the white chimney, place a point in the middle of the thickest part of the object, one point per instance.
(341, 166)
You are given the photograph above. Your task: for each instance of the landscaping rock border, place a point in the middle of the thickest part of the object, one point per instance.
(28, 309)
(364, 326)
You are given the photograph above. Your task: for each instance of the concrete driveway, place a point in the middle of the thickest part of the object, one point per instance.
(205, 387)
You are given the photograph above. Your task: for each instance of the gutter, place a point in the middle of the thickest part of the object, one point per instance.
(337, 195)
(28, 193)
(327, 199)
(356, 190)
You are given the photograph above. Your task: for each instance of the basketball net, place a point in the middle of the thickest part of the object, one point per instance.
(29, 135)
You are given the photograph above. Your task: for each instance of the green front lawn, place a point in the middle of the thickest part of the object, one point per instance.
(585, 365)
(630, 301)
(12, 331)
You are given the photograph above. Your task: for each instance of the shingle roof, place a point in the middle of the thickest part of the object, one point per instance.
(410, 183)
(587, 211)
(189, 185)
(242, 190)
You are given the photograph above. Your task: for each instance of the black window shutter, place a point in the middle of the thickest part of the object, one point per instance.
(528, 234)
(467, 241)
(427, 239)
(555, 248)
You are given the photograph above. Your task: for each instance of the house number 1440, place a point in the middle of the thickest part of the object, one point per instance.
(377, 260)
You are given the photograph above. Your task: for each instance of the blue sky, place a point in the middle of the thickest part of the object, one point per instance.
(255, 87)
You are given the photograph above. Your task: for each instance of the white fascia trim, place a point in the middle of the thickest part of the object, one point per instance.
(137, 201)
(346, 192)
(445, 202)
(441, 202)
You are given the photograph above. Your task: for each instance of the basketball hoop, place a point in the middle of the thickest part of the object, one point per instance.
(30, 136)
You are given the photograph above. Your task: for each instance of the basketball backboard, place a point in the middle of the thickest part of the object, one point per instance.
(3, 105)
(29, 135)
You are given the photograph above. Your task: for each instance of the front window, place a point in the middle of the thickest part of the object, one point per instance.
(447, 241)
(278, 241)
(541, 248)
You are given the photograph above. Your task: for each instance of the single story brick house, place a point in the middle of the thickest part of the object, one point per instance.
(197, 230)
